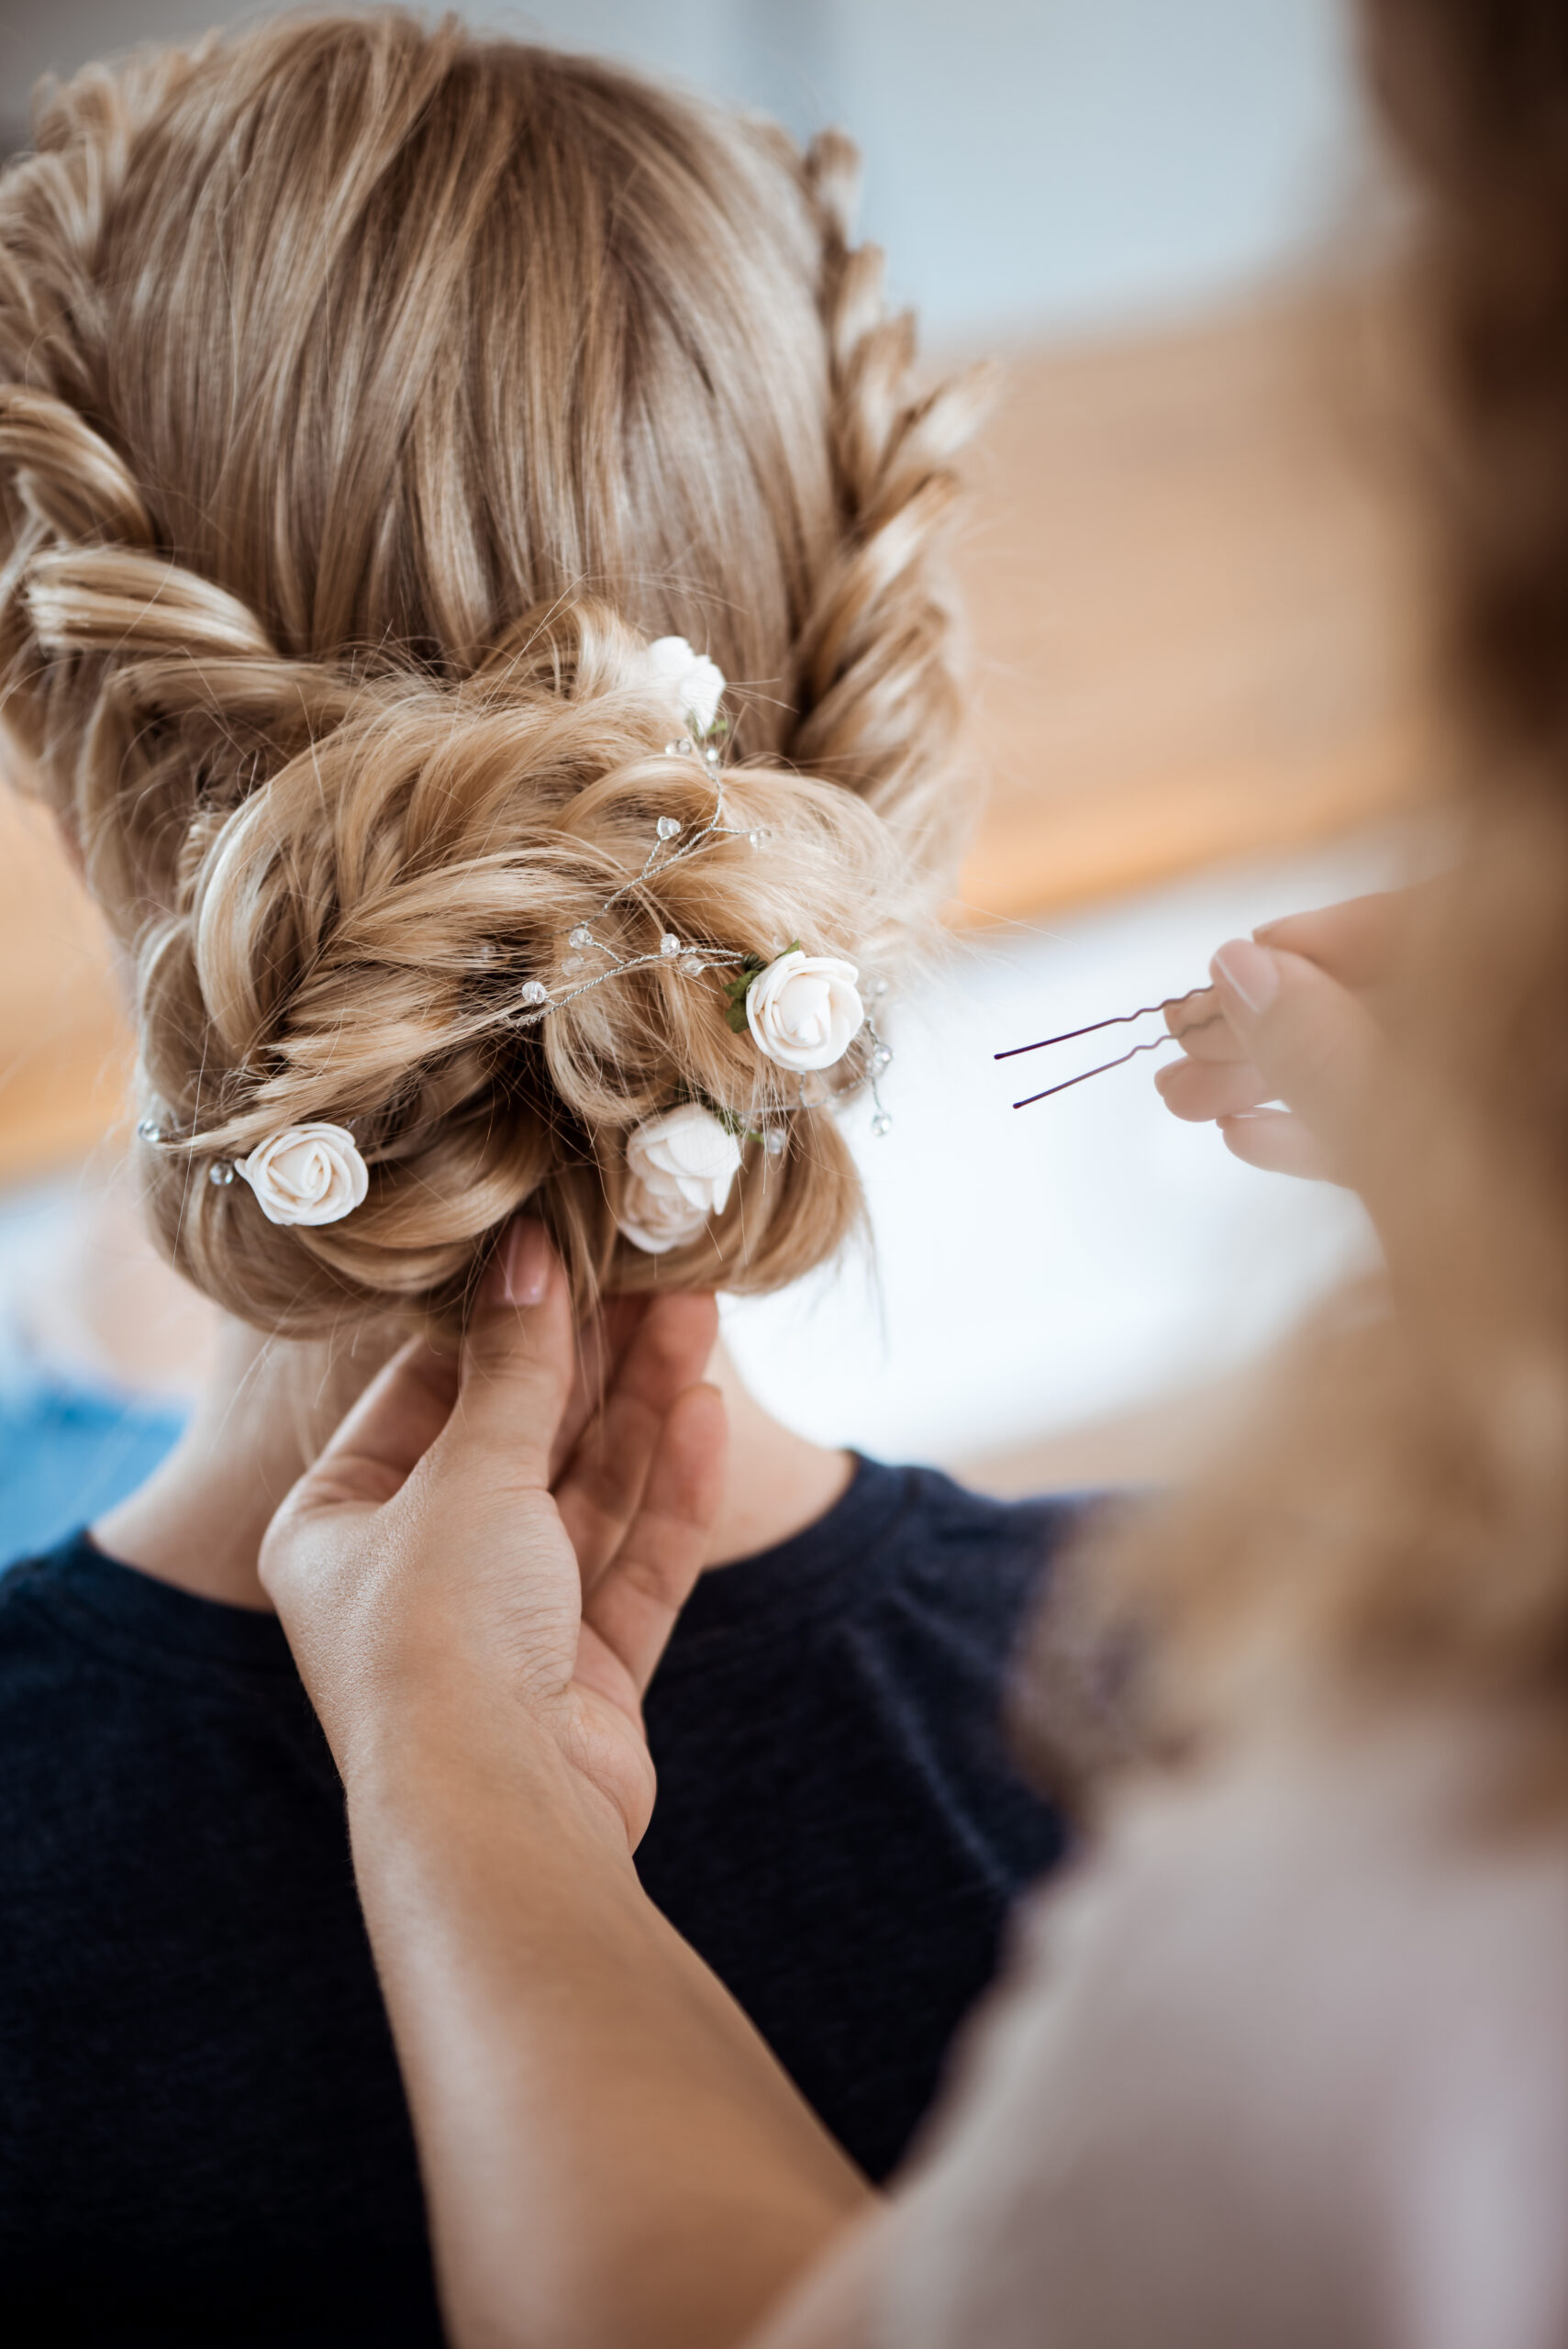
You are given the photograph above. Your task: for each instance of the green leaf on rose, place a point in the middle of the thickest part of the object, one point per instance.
(739, 986)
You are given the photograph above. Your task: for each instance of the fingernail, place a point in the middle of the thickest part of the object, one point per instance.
(519, 1272)
(1251, 971)
(526, 1259)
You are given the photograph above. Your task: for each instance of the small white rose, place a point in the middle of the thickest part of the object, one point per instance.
(679, 1170)
(804, 1011)
(694, 682)
(306, 1174)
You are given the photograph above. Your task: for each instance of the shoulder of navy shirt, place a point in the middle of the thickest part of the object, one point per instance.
(202, 2133)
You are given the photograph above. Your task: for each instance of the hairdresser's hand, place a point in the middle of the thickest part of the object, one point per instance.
(437, 1592)
(1292, 1020)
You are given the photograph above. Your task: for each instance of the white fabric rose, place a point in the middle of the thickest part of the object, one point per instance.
(306, 1174)
(694, 682)
(680, 1167)
(804, 1011)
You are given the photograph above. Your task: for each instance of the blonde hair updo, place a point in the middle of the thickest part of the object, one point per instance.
(370, 398)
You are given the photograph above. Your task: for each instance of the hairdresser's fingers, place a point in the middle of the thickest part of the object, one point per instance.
(600, 1489)
(518, 1360)
(1314, 1042)
(1358, 941)
(1202, 1029)
(1277, 1142)
(390, 1429)
(634, 1605)
(1199, 1090)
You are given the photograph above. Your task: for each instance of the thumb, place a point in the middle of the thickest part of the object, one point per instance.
(384, 1437)
(1313, 1040)
(518, 1361)
(369, 1460)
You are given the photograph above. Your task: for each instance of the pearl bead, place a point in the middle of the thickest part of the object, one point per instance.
(222, 1173)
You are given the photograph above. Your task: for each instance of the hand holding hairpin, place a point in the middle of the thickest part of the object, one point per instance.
(1117, 1019)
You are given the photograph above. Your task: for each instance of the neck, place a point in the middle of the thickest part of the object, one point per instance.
(198, 1520)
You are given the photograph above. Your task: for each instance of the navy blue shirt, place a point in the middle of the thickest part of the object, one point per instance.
(203, 2134)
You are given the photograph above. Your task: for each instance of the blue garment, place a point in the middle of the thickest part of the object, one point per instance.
(67, 1453)
(203, 2133)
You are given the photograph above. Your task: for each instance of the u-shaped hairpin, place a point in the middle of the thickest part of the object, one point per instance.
(1117, 1019)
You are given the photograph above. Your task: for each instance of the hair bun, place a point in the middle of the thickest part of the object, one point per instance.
(359, 942)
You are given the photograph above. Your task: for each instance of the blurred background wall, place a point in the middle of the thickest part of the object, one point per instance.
(1195, 705)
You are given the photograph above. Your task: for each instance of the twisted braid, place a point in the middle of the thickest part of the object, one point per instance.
(122, 631)
(336, 864)
(878, 680)
(68, 480)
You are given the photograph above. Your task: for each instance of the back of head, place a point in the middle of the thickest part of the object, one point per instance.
(369, 401)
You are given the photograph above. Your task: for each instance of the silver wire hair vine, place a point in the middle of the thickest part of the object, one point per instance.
(879, 1061)
(1117, 1019)
(813, 1093)
(153, 1130)
(535, 999)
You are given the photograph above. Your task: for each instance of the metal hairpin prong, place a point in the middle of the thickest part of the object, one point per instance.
(1119, 1019)
(1068, 1082)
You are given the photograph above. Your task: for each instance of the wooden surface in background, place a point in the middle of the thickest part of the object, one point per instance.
(1183, 593)
(65, 1048)
(1185, 585)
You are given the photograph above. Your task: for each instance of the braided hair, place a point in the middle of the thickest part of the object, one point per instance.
(369, 397)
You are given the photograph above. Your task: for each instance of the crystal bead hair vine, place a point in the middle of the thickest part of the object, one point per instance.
(315, 1172)
(878, 1061)
(536, 1001)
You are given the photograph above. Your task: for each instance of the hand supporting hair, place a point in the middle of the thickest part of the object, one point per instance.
(611, 2153)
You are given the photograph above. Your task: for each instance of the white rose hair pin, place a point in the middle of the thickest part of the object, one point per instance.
(802, 1011)
(312, 1173)
(680, 1166)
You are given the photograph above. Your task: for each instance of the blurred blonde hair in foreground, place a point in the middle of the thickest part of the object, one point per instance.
(369, 396)
(1394, 1518)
